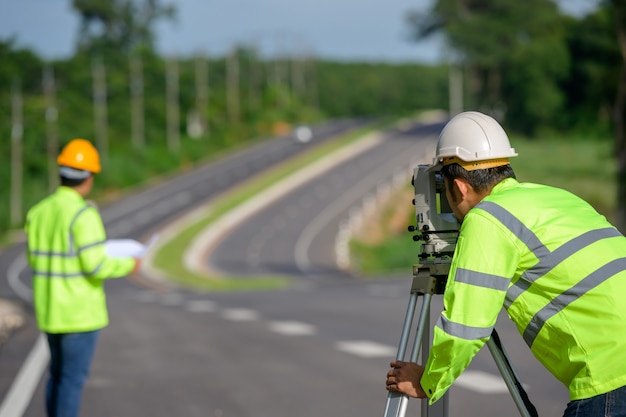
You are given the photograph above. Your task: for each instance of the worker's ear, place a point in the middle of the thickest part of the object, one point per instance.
(463, 187)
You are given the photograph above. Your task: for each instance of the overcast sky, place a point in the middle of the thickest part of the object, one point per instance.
(371, 30)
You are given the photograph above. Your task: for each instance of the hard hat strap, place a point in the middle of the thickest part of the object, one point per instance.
(474, 165)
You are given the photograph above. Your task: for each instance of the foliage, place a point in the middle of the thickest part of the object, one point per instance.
(618, 9)
(380, 89)
(514, 53)
(540, 70)
(119, 25)
(264, 101)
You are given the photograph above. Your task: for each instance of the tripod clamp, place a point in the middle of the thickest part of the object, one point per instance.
(429, 278)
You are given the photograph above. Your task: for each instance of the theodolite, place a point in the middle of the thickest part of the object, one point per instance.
(437, 231)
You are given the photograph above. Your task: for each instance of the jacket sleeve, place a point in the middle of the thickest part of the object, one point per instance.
(89, 241)
(485, 260)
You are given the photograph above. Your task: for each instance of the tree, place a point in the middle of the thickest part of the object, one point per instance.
(514, 51)
(619, 114)
(119, 25)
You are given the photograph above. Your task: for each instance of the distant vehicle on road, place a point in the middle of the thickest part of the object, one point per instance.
(302, 134)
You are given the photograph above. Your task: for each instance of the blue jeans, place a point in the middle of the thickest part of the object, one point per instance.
(70, 359)
(611, 404)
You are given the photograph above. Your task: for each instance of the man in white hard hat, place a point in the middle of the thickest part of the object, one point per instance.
(546, 256)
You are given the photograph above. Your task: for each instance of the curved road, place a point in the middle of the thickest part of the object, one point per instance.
(317, 349)
(295, 235)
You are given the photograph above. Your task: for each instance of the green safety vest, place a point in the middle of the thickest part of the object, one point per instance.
(67, 256)
(559, 269)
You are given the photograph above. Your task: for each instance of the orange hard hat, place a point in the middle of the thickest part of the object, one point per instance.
(80, 154)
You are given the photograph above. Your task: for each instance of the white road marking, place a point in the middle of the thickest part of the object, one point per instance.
(201, 306)
(13, 277)
(19, 396)
(482, 382)
(292, 328)
(240, 314)
(367, 349)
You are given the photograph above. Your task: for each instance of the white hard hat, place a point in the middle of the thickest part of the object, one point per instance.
(474, 141)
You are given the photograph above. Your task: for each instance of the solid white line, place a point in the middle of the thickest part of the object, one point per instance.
(17, 399)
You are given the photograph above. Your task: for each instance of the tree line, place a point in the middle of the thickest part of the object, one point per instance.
(525, 62)
(537, 68)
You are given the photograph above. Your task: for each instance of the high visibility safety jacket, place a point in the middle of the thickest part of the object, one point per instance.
(559, 269)
(67, 256)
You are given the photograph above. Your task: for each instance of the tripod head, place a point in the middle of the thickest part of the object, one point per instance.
(437, 227)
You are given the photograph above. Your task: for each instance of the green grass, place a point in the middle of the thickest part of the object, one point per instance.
(169, 257)
(586, 168)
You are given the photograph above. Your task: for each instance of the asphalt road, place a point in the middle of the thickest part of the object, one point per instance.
(318, 348)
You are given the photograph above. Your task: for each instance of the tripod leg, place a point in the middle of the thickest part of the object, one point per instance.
(525, 407)
(396, 402)
(440, 408)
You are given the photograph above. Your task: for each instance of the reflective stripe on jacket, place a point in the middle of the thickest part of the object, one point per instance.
(67, 256)
(559, 269)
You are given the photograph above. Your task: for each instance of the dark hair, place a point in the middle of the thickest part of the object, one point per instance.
(480, 179)
(71, 182)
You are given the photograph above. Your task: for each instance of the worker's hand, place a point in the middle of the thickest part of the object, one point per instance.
(405, 379)
(137, 265)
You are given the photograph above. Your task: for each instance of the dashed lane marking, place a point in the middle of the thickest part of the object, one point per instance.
(240, 314)
(201, 306)
(367, 349)
(482, 382)
(292, 328)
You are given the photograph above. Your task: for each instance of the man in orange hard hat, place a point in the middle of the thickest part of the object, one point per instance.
(66, 251)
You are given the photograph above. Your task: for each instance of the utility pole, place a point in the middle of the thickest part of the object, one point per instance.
(16, 154)
(298, 76)
(137, 104)
(455, 86)
(51, 127)
(232, 79)
(313, 91)
(202, 92)
(173, 107)
(455, 81)
(281, 69)
(100, 107)
(254, 78)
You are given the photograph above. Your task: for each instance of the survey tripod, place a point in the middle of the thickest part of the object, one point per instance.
(438, 231)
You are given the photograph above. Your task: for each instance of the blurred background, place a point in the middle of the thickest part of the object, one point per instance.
(196, 101)
(172, 82)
